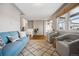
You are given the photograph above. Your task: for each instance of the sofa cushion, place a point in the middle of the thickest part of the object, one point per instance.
(14, 33)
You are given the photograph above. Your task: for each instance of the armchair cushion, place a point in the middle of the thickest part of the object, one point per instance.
(62, 37)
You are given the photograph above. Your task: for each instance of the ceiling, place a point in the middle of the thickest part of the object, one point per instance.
(38, 11)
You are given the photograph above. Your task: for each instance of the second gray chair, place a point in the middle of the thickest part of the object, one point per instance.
(68, 44)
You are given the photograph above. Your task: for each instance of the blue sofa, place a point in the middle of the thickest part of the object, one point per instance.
(13, 49)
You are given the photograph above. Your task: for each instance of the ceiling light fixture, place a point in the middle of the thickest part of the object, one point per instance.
(37, 4)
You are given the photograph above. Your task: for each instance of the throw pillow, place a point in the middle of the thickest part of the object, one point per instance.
(12, 38)
(2, 44)
(22, 34)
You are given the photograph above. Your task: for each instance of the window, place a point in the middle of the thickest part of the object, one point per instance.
(61, 23)
(49, 26)
(74, 19)
(74, 24)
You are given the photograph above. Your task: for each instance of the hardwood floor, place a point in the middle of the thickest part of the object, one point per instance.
(38, 37)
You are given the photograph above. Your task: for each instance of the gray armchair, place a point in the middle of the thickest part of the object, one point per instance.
(51, 36)
(67, 44)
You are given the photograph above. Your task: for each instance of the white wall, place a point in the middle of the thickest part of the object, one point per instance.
(9, 18)
(38, 24)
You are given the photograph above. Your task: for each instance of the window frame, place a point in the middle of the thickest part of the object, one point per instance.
(59, 21)
(73, 17)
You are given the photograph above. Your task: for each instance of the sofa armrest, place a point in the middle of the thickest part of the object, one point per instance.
(0, 52)
(62, 48)
(74, 41)
(74, 47)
